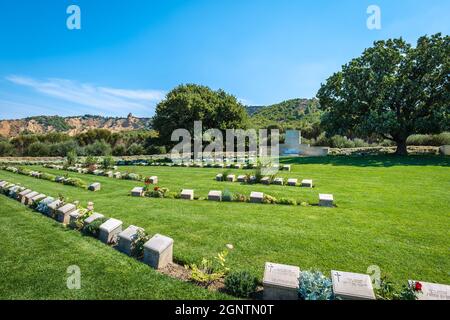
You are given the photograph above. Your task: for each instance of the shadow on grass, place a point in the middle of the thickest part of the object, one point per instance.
(371, 161)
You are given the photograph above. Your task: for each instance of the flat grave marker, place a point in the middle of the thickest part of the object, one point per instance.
(352, 286)
(280, 282)
(109, 230)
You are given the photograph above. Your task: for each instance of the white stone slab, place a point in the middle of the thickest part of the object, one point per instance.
(281, 282)
(39, 197)
(109, 230)
(278, 181)
(286, 167)
(242, 178)
(352, 286)
(256, 197)
(307, 183)
(62, 213)
(326, 200)
(154, 180)
(433, 291)
(231, 178)
(219, 177)
(187, 194)
(73, 218)
(127, 238)
(292, 182)
(137, 192)
(215, 195)
(92, 218)
(265, 180)
(96, 186)
(27, 198)
(158, 251)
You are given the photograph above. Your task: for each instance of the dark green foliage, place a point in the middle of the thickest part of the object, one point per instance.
(6, 149)
(38, 149)
(93, 229)
(57, 122)
(98, 148)
(393, 90)
(241, 284)
(188, 103)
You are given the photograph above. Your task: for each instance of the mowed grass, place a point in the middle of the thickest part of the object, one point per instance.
(35, 253)
(391, 212)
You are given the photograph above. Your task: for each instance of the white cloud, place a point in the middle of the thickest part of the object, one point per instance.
(88, 95)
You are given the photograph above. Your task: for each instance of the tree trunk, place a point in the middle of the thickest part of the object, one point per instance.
(401, 148)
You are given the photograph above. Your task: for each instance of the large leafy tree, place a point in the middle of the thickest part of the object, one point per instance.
(393, 90)
(188, 103)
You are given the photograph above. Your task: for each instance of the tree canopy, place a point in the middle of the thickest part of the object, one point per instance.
(188, 103)
(392, 90)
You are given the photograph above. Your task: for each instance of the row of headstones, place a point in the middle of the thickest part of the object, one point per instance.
(325, 200)
(158, 251)
(292, 182)
(281, 282)
(96, 186)
(97, 172)
(286, 167)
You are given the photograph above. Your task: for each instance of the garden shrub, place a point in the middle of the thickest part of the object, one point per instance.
(158, 192)
(238, 197)
(24, 171)
(287, 202)
(227, 196)
(269, 199)
(241, 284)
(208, 270)
(313, 285)
(76, 182)
(48, 176)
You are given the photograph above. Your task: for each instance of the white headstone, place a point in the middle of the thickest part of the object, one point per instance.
(278, 181)
(137, 192)
(27, 198)
(231, 178)
(215, 195)
(219, 177)
(154, 180)
(352, 286)
(109, 230)
(265, 180)
(326, 200)
(62, 214)
(127, 238)
(281, 282)
(256, 197)
(92, 218)
(158, 251)
(242, 178)
(307, 183)
(433, 291)
(96, 186)
(292, 182)
(187, 194)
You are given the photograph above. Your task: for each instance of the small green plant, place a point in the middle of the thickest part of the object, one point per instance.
(138, 244)
(313, 285)
(269, 199)
(227, 196)
(209, 271)
(48, 176)
(287, 202)
(108, 162)
(71, 158)
(386, 291)
(241, 284)
(410, 291)
(93, 229)
(158, 192)
(238, 197)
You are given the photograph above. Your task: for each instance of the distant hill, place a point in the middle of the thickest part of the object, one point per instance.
(71, 125)
(292, 113)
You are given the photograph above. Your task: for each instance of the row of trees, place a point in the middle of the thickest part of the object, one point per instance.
(392, 91)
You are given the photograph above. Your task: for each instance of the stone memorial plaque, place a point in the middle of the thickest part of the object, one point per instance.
(92, 218)
(286, 167)
(292, 182)
(127, 238)
(280, 282)
(158, 251)
(109, 230)
(307, 183)
(326, 200)
(52, 207)
(137, 192)
(265, 180)
(39, 197)
(231, 178)
(256, 197)
(27, 198)
(187, 194)
(219, 177)
(62, 213)
(73, 218)
(154, 180)
(242, 178)
(96, 186)
(215, 195)
(433, 291)
(278, 181)
(352, 286)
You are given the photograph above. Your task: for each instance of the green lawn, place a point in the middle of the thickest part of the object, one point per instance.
(36, 251)
(392, 212)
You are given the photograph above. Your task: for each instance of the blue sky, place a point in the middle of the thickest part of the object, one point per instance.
(129, 54)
